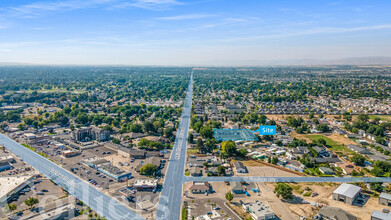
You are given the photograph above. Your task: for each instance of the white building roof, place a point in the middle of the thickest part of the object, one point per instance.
(145, 183)
(260, 209)
(348, 190)
(381, 215)
(385, 196)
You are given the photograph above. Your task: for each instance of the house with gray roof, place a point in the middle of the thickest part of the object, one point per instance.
(240, 168)
(236, 188)
(333, 213)
(326, 170)
(359, 149)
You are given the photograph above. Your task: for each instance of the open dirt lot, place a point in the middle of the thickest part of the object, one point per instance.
(325, 191)
(259, 168)
(266, 171)
(339, 139)
(266, 195)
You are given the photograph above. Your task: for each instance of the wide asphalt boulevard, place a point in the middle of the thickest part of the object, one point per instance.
(170, 198)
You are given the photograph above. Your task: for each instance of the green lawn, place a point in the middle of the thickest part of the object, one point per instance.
(382, 117)
(192, 150)
(335, 146)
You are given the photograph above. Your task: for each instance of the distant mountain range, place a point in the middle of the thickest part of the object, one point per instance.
(351, 61)
(345, 61)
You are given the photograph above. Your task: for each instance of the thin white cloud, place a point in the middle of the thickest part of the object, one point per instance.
(320, 30)
(37, 8)
(148, 4)
(186, 17)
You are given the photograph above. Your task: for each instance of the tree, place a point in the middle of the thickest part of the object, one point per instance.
(242, 152)
(363, 117)
(322, 141)
(116, 141)
(191, 138)
(283, 190)
(376, 171)
(200, 145)
(358, 159)
(323, 128)
(148, 169)
(221, 170)
(228, 147)
(30, 202)
(10, 207)
(81, 118)
(148, 126)
(168, 132)
(206, 132)
(378, 187)
(354, 173)
(22, 126)
(229, 196)
(143, 142)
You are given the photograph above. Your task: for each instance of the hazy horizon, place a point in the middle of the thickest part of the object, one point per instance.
(184, 33)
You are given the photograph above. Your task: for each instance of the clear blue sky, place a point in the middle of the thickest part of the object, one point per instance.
(178, 32)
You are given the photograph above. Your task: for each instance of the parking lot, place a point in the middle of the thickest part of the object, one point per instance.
(18, 167)
(75, 165)
(43, 189)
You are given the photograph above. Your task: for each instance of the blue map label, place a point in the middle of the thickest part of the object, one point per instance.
(267, 130)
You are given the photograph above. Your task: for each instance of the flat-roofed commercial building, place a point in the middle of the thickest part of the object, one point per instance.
(145, 184)
(259, 210)
(96, 162)
(200, 187)
(115, 173)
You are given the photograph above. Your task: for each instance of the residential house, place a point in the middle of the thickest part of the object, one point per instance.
(326, 170)
(334, 213)
(295, 165)
(236, 188)
(195, 171)
(240, 168)
(358, 149)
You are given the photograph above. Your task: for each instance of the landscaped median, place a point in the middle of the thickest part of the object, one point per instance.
(40, 153)
(35, 150)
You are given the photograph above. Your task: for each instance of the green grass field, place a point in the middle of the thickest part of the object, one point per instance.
(382, 117)
(335, 146)
(192, 150)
